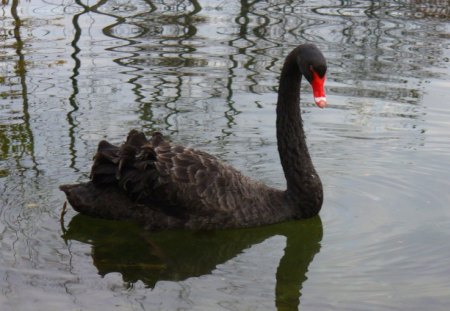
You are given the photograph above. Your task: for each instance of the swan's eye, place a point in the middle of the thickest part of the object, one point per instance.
(320, 70)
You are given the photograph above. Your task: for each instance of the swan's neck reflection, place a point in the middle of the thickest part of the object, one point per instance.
(247, 258)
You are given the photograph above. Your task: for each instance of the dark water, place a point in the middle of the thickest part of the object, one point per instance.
(205, 73)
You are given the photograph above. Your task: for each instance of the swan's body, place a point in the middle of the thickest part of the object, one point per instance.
(162, 185)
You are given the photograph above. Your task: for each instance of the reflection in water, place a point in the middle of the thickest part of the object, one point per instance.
(163, 48)
(77, 65)
(178, 255)
(73, 78)
(16, 138)
(73, 72)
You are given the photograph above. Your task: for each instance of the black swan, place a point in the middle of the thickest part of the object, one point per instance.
(161, 185)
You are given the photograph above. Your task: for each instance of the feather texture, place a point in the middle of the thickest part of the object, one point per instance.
(183, 183)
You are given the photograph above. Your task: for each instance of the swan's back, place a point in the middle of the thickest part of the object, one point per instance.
(177, 186)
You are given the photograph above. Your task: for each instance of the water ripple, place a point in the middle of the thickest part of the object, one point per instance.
(73, 73)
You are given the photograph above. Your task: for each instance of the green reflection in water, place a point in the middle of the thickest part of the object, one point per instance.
(16, 138)
(177, 255)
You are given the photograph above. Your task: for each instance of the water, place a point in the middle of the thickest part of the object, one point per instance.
(205, 73)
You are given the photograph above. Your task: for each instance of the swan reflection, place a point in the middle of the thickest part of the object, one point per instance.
(150, 257)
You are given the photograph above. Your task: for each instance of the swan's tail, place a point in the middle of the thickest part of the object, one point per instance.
(120, 177)
(131, 166)
(105, 202)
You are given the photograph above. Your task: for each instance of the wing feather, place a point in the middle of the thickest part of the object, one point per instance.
(170, 177)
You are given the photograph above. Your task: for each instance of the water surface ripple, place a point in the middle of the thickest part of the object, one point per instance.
(206, 73)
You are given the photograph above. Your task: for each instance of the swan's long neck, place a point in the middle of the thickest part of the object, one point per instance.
(304, 189)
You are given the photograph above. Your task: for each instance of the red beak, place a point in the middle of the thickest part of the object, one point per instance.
(317, 84)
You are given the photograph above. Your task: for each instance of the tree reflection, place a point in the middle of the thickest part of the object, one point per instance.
(380, 43)
(177, 255)
(16, 138)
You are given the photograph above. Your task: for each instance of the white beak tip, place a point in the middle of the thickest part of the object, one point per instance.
(321, 102)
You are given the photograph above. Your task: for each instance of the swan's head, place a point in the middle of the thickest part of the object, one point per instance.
(313, 66)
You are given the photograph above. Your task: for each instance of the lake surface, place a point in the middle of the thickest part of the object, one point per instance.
(205, 73)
